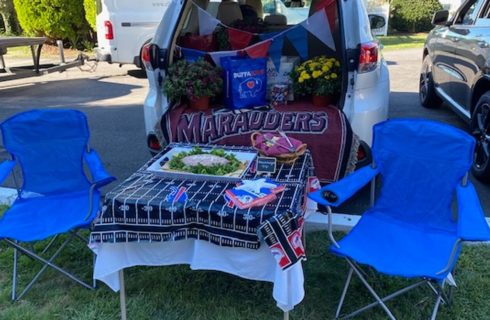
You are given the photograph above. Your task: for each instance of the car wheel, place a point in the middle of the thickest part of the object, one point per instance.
(427, 93)
(480, 129)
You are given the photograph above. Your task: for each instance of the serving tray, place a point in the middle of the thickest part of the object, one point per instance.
(243, 154)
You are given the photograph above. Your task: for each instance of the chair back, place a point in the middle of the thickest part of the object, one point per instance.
(420, 162)
(49, 146)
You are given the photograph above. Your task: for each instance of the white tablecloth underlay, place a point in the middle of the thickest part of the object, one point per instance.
(250, 264)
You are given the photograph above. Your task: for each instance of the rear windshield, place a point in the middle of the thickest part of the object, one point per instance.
(294, 11)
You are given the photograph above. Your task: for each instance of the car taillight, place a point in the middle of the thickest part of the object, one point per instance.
(368, 56)
(153, 143)
(146, 56)
(151, 56)
(109, 33)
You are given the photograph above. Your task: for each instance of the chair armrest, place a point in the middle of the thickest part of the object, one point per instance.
(472, 225)
(5, 169)
(338, 192)
(99, 175)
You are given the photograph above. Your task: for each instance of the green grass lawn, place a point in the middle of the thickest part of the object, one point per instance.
(403, 41)
(179, 293)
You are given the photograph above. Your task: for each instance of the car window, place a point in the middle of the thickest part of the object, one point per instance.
(486, 11)
(470, 12)
(468, 17)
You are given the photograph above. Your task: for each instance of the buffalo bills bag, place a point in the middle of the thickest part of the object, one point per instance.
(245, 82)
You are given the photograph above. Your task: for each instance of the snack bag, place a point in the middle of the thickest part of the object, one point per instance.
(245, 82)
(281, 76)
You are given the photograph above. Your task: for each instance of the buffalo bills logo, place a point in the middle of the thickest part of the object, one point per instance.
(177, 195)
(250, 87)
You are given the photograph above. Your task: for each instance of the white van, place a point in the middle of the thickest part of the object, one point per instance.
(124, 26)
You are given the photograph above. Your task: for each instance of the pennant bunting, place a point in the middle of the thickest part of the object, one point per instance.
(258, 50)
(239, 39)
(269, 35)
(207, 23)
(317, 25)
(275, 50)
(299, 39)
(217, 55)
(192, 55)
(330, 7)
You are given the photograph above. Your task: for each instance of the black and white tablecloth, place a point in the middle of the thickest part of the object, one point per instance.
(147, 207)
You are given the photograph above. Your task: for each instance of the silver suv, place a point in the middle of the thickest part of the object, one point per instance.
(365, 88)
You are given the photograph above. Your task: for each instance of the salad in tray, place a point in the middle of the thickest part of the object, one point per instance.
(214, 162)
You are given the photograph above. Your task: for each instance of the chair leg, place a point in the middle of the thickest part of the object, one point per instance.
(53, 239)
(371, 290)
(344, 292)
(46, 262)
(14, 276)
(436, 306)
(53, 257)
(385, 299)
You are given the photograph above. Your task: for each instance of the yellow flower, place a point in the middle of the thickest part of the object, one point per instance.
(316, 74)
(327, 77)
(301, 80)
(337, 64)
(325, 68)
(306, 76)
(334, 76)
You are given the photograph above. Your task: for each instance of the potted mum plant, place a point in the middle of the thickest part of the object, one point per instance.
(196, 81)
(318, 77)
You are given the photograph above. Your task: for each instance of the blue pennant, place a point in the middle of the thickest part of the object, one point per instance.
(268, 35)
(275, 50)
(192, 55)
(299, 39)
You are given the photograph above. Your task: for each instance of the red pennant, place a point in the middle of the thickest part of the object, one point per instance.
(239, 39)
(259, 50)
(330, 7)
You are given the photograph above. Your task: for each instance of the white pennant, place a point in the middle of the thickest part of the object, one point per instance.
(217, 55)
(207, 23)
(318, 25)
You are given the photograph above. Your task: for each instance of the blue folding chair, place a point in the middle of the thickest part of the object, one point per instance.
(410, 231)
(56, 196)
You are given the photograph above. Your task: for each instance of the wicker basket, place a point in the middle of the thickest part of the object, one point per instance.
(284, 158)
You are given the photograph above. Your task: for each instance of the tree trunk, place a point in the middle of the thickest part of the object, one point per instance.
(9, 17)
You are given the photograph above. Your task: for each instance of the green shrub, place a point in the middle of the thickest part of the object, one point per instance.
(413, 15)
(90, 13)
(55, 19)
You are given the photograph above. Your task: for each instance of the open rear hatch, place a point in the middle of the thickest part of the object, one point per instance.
(298, 41)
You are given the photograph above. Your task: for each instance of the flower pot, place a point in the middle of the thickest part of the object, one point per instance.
(321, 101)
(201, 103)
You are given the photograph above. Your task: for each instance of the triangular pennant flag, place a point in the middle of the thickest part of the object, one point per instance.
(299, 39)
(239, 39)
(192, 55)
(318, 26)
(275, 50)
(268, 35)
(258, 50)
(207, 23)
(330, 7)
(217, 55)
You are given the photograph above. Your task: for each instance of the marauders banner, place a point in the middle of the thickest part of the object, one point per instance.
(325, 130)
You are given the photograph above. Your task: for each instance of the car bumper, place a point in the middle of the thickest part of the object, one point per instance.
(102, 56)
(369, 103)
